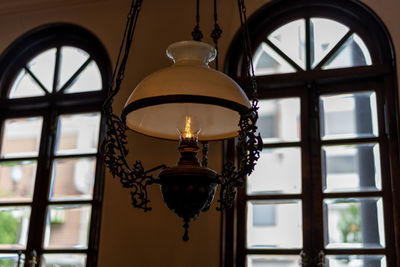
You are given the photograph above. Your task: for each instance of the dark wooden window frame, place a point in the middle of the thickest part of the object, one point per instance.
(50, 106)
(308, 85)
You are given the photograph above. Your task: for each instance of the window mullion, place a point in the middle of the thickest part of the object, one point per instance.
(42, 184)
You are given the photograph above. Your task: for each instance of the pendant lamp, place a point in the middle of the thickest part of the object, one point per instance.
(191, 103)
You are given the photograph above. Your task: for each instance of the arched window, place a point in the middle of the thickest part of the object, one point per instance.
(322, 192)
(53, 81)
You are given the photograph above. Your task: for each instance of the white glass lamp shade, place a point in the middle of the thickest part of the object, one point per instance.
(162, 102)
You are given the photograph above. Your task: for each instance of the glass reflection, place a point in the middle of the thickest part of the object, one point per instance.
(348, 116)
(351, 168)
(14, 223)
(73, 178)
(17, 180)
(356, 261)
(21, 137)
(354, 223)
(67, 226)
(266, 61)
(327, 33)
(11, 260)
(273, 261)
(291, 39)
(57, 260)
(278, 171)
(72, 58)
(78, 134)
(274, 224)
(353, 53)
(279, 120)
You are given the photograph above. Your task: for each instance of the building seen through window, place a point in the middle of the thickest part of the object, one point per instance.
(50, 174)
(320, 193)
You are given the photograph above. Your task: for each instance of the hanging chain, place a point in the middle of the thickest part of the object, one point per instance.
(114, 147)
(250, 142)
(216, 33)
(196, 33)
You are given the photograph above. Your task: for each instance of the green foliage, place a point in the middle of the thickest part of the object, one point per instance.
(7, 263)
(8, 228)
(349, 224)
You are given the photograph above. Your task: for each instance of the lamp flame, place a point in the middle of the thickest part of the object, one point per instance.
(187, 133)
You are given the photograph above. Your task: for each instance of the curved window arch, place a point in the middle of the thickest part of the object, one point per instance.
(322, 191)
(53, 82)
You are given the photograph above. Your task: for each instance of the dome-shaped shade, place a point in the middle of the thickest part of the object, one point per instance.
(161, 103)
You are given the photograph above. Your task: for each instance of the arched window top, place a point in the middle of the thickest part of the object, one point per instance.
(77, 72)
(298, 35)
(332, 45)
(53, 83)
(57, 59)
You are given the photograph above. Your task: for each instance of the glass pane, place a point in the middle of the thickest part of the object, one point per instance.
(279, 120)
(17, 180)
(348, 116)
(25, 86)
(266, 61)
(353, 53)
(354, 223)
(63, 260)
(327, 33)
(72, 58)
(356, 261)
(42, 66)
(89, 80)
(78, 134)
(274, 224)
(67, 226)
(21, 137)
(351, 168)
(14, 223)
(11, 260)
(73, 178)
(291, 40)
(273, 261)
(278, 171)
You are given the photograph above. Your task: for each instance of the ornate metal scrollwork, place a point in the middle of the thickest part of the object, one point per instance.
(249, 146)
(114, 150)
(137, 179)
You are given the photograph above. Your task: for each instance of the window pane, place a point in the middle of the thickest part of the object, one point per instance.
(67, 226)
(21, 137)
(356, 260)
(273, 261)
(61, 260)
(327, 33)
(78, 134)
(291, 40)
(73, 178)
(11, 260)
(351, 168)
(353, 53)
(279, 120)
(282, 231)
(42, 66)
(25, 86)
(89, 80)
(348, 116)
(14, 223)
(278, 171)
(72, 58)
(267, 61)
(17, 180)
(354, 223)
